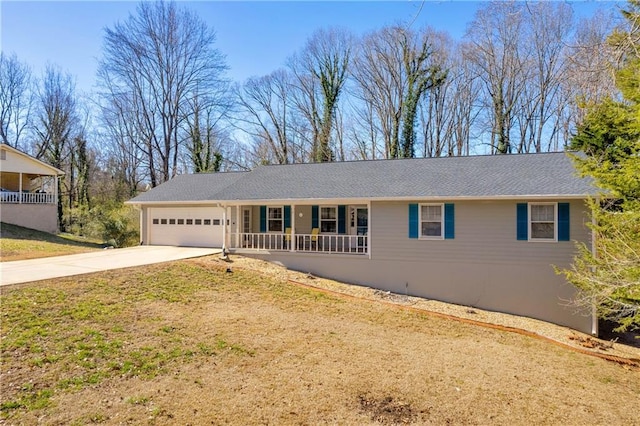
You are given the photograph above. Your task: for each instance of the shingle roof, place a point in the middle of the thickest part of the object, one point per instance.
(194, 187)
(516, 175)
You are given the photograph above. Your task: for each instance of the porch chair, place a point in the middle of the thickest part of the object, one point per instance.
(314, 237)
(287, 238)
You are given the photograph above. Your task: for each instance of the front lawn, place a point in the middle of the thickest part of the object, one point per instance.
(189, 343)
(18, 243)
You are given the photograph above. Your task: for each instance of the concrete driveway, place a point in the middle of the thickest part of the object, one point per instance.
(22, 271)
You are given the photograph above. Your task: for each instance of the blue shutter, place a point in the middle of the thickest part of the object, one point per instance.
(563, 222)
(342, 219)
(287, 217)
(314, 216)
(449, 223)
(263, 218)
(523, 222)
(413, 221)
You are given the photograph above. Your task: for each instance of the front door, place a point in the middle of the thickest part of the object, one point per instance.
(246, 220)
(359, 225)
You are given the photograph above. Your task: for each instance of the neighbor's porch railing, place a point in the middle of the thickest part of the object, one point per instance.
(8, 197)
(308, 243)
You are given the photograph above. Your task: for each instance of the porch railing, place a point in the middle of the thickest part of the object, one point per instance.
(310, 243)
(11, 197)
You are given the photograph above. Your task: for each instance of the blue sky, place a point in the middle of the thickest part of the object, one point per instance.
(256, 37)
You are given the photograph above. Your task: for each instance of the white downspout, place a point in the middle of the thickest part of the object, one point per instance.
(20, 188)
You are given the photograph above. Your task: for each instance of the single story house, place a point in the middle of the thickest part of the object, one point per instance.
(28, 191)
(482, 231)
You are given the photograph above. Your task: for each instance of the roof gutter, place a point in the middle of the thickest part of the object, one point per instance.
(310, 201)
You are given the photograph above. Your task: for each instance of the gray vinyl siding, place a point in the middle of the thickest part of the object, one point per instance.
(485, 232)
(484, 266)
(303, 224)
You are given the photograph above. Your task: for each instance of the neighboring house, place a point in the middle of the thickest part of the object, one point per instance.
(29, 191)
(482, 231)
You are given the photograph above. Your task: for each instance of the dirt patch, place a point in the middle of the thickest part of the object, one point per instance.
(387, 411)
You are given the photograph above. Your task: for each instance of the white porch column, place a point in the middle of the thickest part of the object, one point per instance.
(20, 188)
(239, 223)
(224, 228)
(368, 228)
(292, 243)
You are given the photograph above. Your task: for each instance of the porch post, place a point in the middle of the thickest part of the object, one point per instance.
(239, 223)
(20, 188)
(224, 229)
(369, 228)
(292, 243)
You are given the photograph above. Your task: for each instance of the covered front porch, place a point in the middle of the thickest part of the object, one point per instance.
(28, 188)
(337, 229)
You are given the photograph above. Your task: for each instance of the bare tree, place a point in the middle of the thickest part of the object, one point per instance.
(422, 74)
(15, 99)
(204, 136)
(588, 71)
(266, 103)
(394, 69)
(56, 123)
(502, 64)
(321, 72)
(158, 60)
(547, 27)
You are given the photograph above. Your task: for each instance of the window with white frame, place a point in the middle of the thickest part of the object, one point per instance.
(329, 220)
(542, 222)
(275, 219)
(431, 221)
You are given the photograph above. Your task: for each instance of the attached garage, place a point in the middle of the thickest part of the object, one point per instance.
(186, 226)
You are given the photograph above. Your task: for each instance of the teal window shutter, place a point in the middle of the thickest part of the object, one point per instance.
(522, 222)
(449, 222)
(342, 219)
(287, 217)
(263, 219)
(563, 222)
(413, 221)
(314, 217)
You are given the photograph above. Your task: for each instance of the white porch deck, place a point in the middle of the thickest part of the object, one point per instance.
(306, 243)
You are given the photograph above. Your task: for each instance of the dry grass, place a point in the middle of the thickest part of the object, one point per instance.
(18, 243)
(188, 343)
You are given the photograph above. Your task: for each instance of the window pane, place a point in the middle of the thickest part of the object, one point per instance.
(328, 226)
(275, 225)
(431, 229)
(180, 221)
(431, 213)
(207, 221)
(328, 213)
(275, 213)
(542, 213)
(542, 230)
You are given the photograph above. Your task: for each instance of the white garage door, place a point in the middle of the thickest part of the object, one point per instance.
(186, 226)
